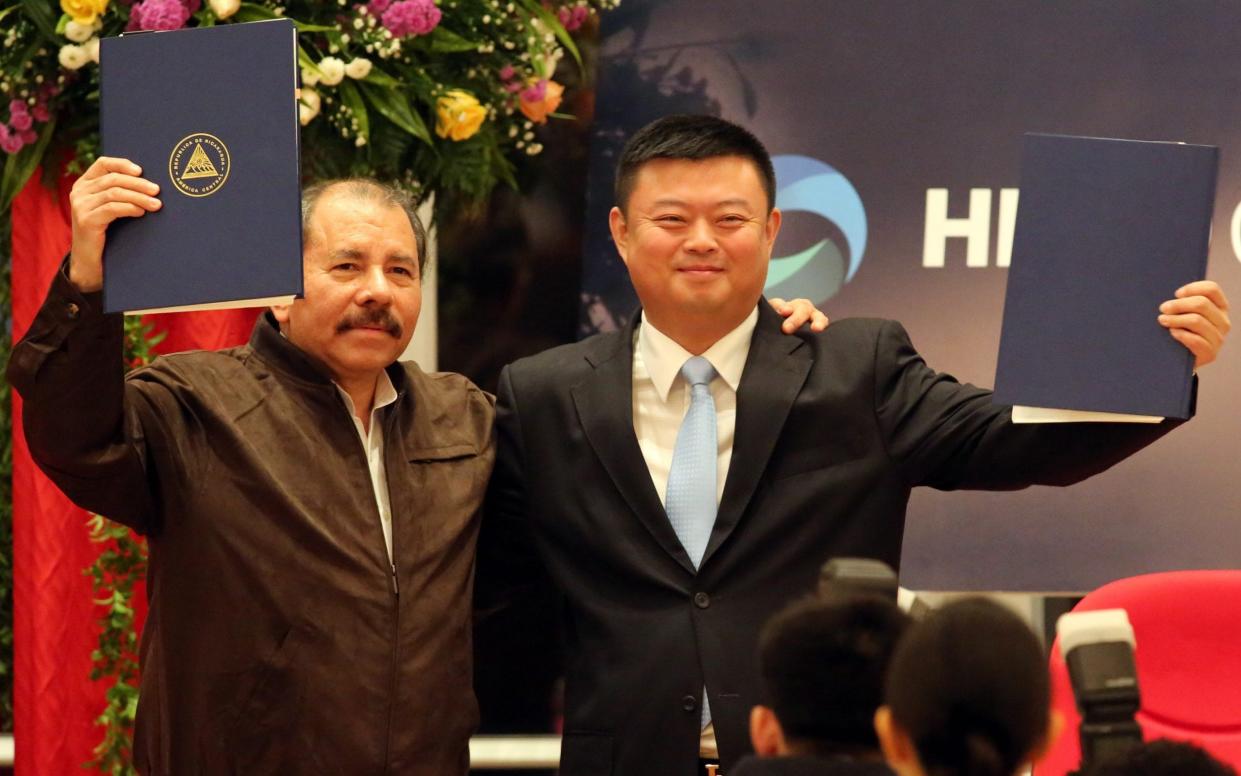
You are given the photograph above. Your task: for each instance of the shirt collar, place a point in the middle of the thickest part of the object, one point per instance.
(385, 394)
(663, 357)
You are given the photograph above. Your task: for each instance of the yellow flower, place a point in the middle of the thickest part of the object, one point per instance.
(459, 115)
(84, 11)
(539, 99)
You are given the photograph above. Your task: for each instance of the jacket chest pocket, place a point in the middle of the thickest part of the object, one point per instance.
(440, 494)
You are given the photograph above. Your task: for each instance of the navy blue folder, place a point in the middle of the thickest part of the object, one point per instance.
(210, 115)
(1106, 231)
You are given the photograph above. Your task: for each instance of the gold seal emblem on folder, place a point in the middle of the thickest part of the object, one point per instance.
(199, 165)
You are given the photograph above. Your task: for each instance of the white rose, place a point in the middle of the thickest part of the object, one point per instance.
(307, 106)
(310, 77)
(331, 71)
(224, 8)
(78, 33)
(311, 98)
(72, 56)
(358, 69)
(92, 49)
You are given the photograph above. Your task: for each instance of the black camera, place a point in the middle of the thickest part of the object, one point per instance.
(1098, 648)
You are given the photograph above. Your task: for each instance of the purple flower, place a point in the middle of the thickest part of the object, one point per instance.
(29, 136)
(159, 15)
(21, 121)
(507, 72)
(411, 17)
(579, 17)
(40, 112)
(377, 7)
(16, 107)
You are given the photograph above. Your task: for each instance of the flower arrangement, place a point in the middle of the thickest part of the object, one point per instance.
(438, 96)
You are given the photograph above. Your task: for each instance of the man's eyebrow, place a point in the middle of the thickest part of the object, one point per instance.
(403, 258)
(345, 253)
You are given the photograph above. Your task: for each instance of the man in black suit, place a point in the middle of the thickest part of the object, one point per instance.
(817, 440)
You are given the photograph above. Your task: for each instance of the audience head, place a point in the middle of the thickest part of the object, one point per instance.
(1162, 758)
(823, 662)
(967, 694)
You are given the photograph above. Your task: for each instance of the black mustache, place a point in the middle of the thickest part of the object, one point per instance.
(381, 318)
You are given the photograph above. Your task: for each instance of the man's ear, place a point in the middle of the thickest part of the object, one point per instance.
(620, 232)
(281, 312)
(897, 748)
(765, 732)
(774, 219)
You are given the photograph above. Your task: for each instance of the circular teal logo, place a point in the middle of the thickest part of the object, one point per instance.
(804, 184)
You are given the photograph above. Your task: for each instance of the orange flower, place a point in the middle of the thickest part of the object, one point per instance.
(539, 99)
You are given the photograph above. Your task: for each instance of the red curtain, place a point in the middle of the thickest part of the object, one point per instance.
(55, 703)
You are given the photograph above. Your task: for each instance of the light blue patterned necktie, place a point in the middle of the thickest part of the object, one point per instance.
(690, 500)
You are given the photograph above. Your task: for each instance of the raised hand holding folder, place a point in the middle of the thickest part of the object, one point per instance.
(1106, 231)
(210, 115)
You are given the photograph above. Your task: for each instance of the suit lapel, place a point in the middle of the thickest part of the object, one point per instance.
(775, 371)
(604, 403)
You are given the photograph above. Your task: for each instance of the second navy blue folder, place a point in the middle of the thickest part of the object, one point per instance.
(1107, 230)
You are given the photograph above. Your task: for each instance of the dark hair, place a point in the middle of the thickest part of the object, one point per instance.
(691, 137)
(367, 190)
(1162, 758)
(970, 686)
(823, 662)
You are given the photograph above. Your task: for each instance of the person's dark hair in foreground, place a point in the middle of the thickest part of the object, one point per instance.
(822, 662)
(967, 694)
(1163, 758)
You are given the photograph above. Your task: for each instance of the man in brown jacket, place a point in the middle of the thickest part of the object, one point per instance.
(311, 505)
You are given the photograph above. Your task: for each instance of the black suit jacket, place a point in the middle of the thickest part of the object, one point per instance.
(833, 429)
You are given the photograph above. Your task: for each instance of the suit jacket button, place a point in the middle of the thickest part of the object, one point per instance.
(702, 600)
(689, 703)
(72, 309)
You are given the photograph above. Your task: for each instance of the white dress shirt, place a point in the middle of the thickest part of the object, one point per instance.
(373, 444)
(661, 397)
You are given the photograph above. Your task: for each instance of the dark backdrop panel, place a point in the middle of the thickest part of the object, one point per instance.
(903, 96)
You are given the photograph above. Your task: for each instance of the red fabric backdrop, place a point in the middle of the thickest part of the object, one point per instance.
(55, 703)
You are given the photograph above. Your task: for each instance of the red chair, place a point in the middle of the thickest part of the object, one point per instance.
(1188, 630)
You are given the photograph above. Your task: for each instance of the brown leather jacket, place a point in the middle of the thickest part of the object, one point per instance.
(279, 639)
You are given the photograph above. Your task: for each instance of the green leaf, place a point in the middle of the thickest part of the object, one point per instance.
(20, 166)
(63, 23)
(381, 79)
(307, 27)
(8, 11)
(42, 15)
(251, 12)
(446, 41)
(393, 106)
(353, 100)
(553, 24)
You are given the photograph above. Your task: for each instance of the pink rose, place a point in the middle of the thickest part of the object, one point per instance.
(29, 136)
(10, 144)
(40, 112)
(411, 17)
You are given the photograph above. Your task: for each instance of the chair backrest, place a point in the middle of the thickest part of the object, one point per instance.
(1188, 630)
